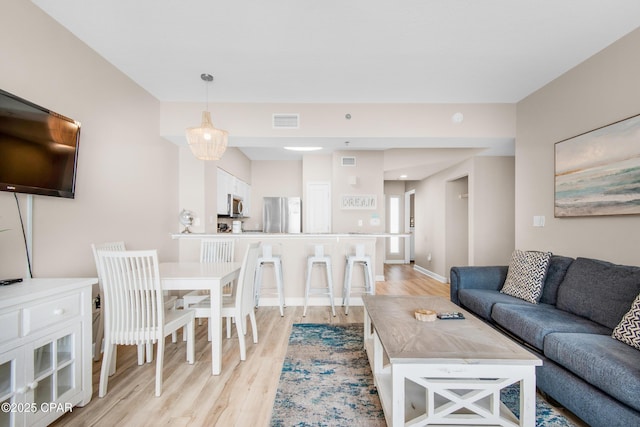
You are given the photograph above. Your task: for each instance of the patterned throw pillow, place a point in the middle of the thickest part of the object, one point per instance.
(526, 274)
(628, 330)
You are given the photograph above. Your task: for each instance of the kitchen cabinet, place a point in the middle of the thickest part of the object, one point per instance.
(244, 190)
(223, 185)
(45, 349)
(229, 184)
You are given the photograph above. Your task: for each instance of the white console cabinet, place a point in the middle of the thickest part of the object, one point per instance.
(45, 349)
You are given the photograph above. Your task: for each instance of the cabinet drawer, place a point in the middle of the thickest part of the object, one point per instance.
(51, 312)
(9, 326)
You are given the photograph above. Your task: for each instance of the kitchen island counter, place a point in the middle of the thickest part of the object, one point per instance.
(294, 249)
(253, 234)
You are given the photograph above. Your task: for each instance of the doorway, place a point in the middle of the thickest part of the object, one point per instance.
(409, 225)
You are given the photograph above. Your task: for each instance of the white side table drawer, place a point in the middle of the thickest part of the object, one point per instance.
(9, 326)
(51, 312)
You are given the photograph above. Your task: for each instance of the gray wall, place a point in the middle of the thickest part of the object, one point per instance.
(127, 175)
(490, 214)
(602, 90)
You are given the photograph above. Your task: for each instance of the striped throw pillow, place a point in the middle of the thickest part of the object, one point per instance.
(628, 330)
(526, 274)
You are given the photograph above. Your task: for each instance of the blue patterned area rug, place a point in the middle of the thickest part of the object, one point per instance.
(326, 381)
(546, 415)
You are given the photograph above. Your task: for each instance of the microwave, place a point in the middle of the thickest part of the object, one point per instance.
(234, 206)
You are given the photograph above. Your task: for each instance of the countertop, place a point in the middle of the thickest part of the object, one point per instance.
(259, 234)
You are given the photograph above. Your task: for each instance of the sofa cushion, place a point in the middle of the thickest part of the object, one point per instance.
(600, 360)
(532, 323)
(481, 301)
(558, 266)
(599, 290)
(628, 330)
(526, 274)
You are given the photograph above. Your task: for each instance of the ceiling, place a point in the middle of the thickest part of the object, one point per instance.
(337, 51)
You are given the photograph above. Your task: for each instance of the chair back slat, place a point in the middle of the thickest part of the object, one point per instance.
(267, 251)
(107, 246)
(217, 250)
(133, 297)
(245, 288)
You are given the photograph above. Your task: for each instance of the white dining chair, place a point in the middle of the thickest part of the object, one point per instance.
(212, 250)
(241, 305)
(169, 304)
(108, 246)
(134, 310)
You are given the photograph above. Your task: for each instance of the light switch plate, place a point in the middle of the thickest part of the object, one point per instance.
(538, 221)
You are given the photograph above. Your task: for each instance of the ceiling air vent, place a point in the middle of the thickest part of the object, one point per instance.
(286, 121)
(348, 161)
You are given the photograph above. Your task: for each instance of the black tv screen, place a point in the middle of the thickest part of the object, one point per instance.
(38, 149)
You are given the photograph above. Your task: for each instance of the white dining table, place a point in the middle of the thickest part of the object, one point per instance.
(188, 276)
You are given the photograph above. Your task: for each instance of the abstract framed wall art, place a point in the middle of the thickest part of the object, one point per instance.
(598, 172)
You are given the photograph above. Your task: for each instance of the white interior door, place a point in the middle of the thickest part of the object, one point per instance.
(317, 207)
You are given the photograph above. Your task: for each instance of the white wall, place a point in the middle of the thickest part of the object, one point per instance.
(272, 178)
(127, 174)
(491, 209)
(602, 90)
(369, 180)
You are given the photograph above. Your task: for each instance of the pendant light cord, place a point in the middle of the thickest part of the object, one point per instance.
(207, 78)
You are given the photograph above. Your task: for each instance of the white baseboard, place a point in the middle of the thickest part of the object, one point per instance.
(313, 302)
(431, 274)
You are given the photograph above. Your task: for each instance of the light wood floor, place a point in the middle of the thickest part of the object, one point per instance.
(243, 394)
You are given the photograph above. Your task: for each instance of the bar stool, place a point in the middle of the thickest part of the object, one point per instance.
(276, 261)
(360, 258)
(319, 258)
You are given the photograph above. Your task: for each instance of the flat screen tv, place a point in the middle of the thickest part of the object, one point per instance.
(38, 149)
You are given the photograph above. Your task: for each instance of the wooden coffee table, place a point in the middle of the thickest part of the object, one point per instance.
(445, 372)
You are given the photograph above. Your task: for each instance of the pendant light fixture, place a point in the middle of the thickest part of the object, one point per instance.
(207, 142)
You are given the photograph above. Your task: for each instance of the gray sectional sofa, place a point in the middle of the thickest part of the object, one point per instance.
(584, 369)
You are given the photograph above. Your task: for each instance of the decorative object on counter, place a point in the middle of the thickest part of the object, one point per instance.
(186, 219)
(595, 172)
(358, 201)
(236, 227)
(207, 142)
(424, 315)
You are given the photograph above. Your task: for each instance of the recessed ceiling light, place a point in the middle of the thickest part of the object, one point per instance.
(403, 176)
(303, 148)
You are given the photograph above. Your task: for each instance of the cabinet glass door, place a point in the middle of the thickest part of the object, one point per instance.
(56, 369)
(11, 379)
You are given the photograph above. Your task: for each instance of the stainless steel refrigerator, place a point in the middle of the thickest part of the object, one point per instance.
(282, 215)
